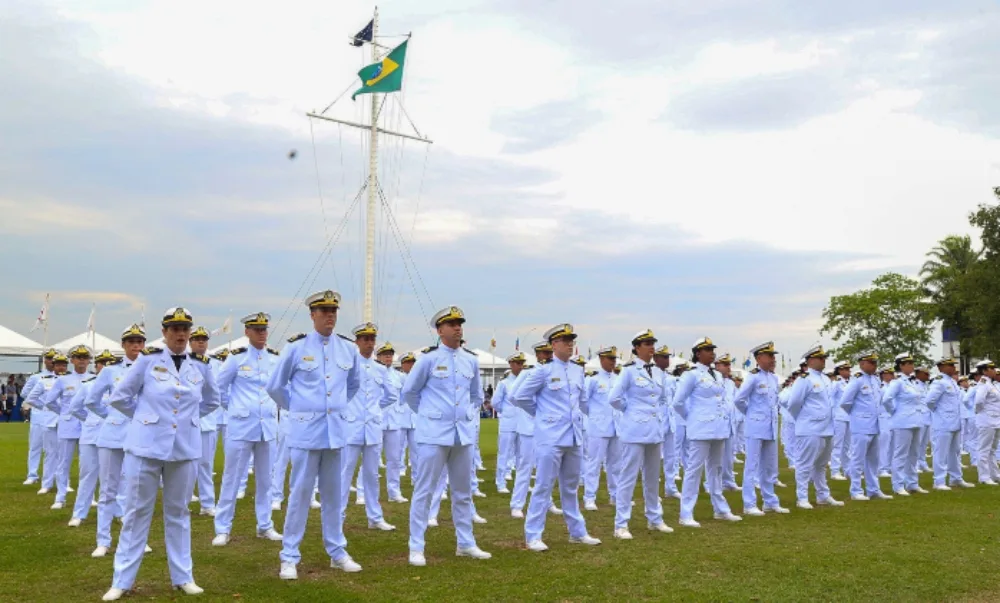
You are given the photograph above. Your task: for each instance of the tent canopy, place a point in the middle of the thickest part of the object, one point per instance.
(15, 344)
(99, 343)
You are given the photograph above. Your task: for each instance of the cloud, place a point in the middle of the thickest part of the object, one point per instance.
(546, 125)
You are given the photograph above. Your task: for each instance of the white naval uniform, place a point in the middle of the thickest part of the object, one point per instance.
(987, 407)
(862, 400)
(57, 401)
(810, 406)
(603, 443)
(904, 401)
(669, 447)
(757, 400)
(209, 443)
(36, 428)
(525, 447)
(507, 439)
(89, 457)
(729, 452)
(163, 442)
(392, 436)
(944, 399)
(840, 458)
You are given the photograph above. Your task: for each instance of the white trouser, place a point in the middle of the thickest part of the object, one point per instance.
(432, 461)
(552, 462)
(905, 448)
(237, 457)
(477, 459)
(67, 448)
(741, 439)
(970, 438)
(308, 466)
(143, 476)
(885, 447)
(865, 462)
(368, 486)
(703, 455)
(108, 507)
(50, 466)
(947, 459)
(728, 459)
(986, 463)
(761, 468)
(840, 457)
(36, 437)
(279, 469)
(392, 442)
(90, 469)
(408, 442)
(505, 456)
(922, 447)
(206, 484)
(812, 453)
(525, 462)
(603, 452)
(788, 441)
(669, 463)
(680, 448)
(635, 458)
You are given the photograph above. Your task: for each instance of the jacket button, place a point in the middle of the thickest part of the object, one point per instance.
(174, 425)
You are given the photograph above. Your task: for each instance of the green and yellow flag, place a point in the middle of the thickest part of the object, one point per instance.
(384, 76)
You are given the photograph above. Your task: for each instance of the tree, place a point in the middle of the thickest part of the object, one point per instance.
(944, 277)
(981, 289)
(889, 318)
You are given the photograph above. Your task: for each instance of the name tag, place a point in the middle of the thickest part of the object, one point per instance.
(160, 369)
(554, 380)
(440, 368)
(245, 367)
(307, 358)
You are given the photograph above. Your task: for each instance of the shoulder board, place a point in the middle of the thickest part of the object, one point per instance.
(591, 373)
(113, 362)
(544, 361)
(238, 351)
(48, 376)
(429, 348)
(754, 371)
(151, 350)
(857, 374)
(296, 337)
(345, 337)
(629, 363)
(469, 351)
(936, 378)
(200, 358)
(90, 378)
(528, 368)
(272, 351)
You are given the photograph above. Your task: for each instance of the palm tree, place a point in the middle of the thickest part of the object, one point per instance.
(949, 261)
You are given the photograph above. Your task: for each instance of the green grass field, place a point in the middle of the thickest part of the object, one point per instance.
(938, 547)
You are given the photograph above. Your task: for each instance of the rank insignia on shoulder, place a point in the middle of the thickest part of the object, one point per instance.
(273, 351)
(48, 377)
(296, 337)
(629, 363)
(345, 337)
(468, 350)
(151, 350)
(238, 351)
(200, 358)
(113, 362)
(857, 374)
(429, 348)
(544, 361)
(754, 371)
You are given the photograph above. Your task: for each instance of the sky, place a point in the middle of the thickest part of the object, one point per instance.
(719, 168)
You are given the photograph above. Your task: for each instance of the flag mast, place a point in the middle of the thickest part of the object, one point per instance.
(372, 184)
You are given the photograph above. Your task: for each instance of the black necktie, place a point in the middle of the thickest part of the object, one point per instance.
(649, 369)
(711, 371)
(178, 359)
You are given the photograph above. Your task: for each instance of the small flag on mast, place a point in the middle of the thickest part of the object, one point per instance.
(365, 35)
(43, 315)
(493, 342)
(517, 344)
(226, 328)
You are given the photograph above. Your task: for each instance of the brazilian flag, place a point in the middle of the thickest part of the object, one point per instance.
(384, 76)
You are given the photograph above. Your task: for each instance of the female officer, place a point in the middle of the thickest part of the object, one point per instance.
(904, 400)
(987, 409)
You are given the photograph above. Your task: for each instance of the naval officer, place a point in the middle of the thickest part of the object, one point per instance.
(862, 400)
(553, 396)
(841, 455)
(987, 408)
(253, 426)
(944, 399)
(392, 433)
(661, 358)
(166, 392)
(757, 399)
(640, 394)
(810, 406)
(605, 449)
(507, 442)
(407, 433)
(904, 401)
(70, 427)
(445, 394)
(205, 481)
(700, 400)
(89, 456)
(41, 433)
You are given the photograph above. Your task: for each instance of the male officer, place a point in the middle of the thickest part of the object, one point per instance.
(364, 427)
(757, 399)
(885, 440)
(840, 457)
(111, 439)
(700, 399)
(640, 394)
(525, 438)
(605, 449)
(392, 433)
(661, 358)
(810, 407)
(209, 427)
(724, 365)
(58, 401)
(316, 377)
(39, 428)
(944, 399)
(553, 396)
(89, 456)
(507, 443)
(862, 400)
(445, 394)
(253, 426)
(165, 393)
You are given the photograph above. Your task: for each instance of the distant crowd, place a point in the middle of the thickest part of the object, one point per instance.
(10, 392)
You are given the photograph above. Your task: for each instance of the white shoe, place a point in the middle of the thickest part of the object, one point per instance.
(674, 494)
(791, 467)
(194, 498)
(660, 527)
(220, 540)
(859, 497)
(831, 502)
(919, 490)
(881, 496)
(732, 488)
(753, 512)
(623, 534)
(589, 505)
(113, 594)
(399, 499)
(346, 564)
(902, 492)
(727, 517)
(803, 504)
(555, 510)
(779, 509)
(779, 484)
(432, 522)
(75, 522)
(965, 484)
(147, 550)
(838, 477)
(479, 494)
(885, 474)
(586, 539)
(275, 506)
(989, 482)
(517, 513)
(30, 481)
(250, 471)
(46, 491)
(381, 465)
(70, 489)
(474, 552)
(477, 518)
(315, 504)
(210, 512)
(942, 488)
(503, 491)
(99, 552)
(689, 523)
(353, 489)
(56, 505)
(480, 480)
(190, 589)
(417, 559)
(360, 501)
(381, 525)
(93, 504)
(288, 571)
(269, 534)
(480, 468)
(241, 495)
(508, 477)
(537, 546)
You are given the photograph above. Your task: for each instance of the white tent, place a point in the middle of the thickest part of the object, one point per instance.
(239, 342)
(98, 343)
(15, 344)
